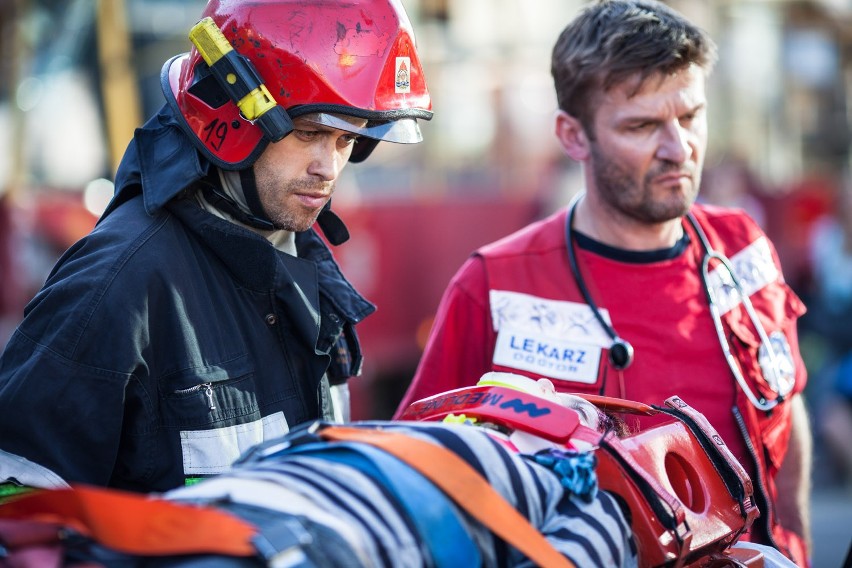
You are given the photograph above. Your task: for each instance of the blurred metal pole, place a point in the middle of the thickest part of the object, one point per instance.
(20, 48)
(122, 112)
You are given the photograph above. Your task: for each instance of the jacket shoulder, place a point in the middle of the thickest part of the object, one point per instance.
(106, 271)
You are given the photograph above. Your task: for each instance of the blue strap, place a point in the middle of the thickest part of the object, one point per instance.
(428, 508)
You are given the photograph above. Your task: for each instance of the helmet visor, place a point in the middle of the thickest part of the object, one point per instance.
(401, 131)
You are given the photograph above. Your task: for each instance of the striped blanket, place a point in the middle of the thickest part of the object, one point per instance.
(345, 506)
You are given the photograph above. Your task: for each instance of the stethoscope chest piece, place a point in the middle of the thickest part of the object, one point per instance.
(620, 354)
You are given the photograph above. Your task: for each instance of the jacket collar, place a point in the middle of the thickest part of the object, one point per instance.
(256, 263)
(162, 160)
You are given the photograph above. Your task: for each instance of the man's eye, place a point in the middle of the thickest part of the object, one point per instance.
(641, 126)
(347, 140)
(306, 134)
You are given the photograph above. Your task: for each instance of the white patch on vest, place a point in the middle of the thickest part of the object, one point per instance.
(553, 338)
(207, 452)
(547, 356)
(552, 318)
(753, 267)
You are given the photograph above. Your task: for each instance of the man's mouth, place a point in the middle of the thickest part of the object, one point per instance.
(673, 176)
(312, 200)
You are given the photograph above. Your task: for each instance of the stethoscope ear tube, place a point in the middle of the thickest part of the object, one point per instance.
(781, 387)
(773, 378)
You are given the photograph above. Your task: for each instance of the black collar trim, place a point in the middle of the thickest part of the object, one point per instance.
(587, 243)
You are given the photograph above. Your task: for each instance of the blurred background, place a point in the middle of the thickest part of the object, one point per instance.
(77, 76)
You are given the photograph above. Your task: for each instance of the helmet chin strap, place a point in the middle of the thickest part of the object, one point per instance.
(214, 193)
(332, 226)
(249, 190)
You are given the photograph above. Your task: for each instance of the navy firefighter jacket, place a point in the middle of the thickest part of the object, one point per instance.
(169, 340)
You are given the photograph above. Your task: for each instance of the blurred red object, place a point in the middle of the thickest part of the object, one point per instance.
(61, 218)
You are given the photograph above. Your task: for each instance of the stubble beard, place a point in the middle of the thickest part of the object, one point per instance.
(638, 200)
(281, 205)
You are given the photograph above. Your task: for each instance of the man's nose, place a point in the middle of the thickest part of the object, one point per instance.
(326, 161)
(677, 143)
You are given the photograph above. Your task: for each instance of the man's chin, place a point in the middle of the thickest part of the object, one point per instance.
(295, 226)
(677, 203)
(662, 212)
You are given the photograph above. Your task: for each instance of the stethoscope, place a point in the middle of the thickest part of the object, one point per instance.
(621, 351)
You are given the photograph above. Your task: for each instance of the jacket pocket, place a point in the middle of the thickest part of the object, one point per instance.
(211, 395)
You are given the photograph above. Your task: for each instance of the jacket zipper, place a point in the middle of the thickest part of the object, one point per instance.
(208, 390)
(764, 496)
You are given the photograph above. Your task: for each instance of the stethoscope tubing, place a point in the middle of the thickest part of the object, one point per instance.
(621, 351)
(623, 346)
(774, 382)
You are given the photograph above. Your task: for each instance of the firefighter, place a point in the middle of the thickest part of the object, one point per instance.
(204, 313)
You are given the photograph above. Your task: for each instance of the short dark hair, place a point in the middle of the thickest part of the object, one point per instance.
(611, 41)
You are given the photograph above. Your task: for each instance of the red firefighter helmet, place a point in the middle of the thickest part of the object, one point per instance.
(322, 58)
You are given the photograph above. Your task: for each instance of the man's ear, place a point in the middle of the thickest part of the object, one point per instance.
(572, 136)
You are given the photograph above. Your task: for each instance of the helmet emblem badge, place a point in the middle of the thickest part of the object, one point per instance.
(402, 82)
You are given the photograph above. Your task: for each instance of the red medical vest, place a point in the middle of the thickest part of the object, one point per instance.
(515, 307)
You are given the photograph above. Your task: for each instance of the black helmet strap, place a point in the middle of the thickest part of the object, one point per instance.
(213, 193)
(249, 187)
(332, 226)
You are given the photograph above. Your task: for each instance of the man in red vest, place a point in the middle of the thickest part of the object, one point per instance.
(634, 290)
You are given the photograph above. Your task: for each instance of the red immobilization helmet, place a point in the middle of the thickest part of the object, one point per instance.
(320, 59)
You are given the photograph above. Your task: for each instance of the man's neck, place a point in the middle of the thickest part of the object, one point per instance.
(611, 228)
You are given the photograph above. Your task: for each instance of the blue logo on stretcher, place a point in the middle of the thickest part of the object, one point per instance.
(500, 405)
(466, 400)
